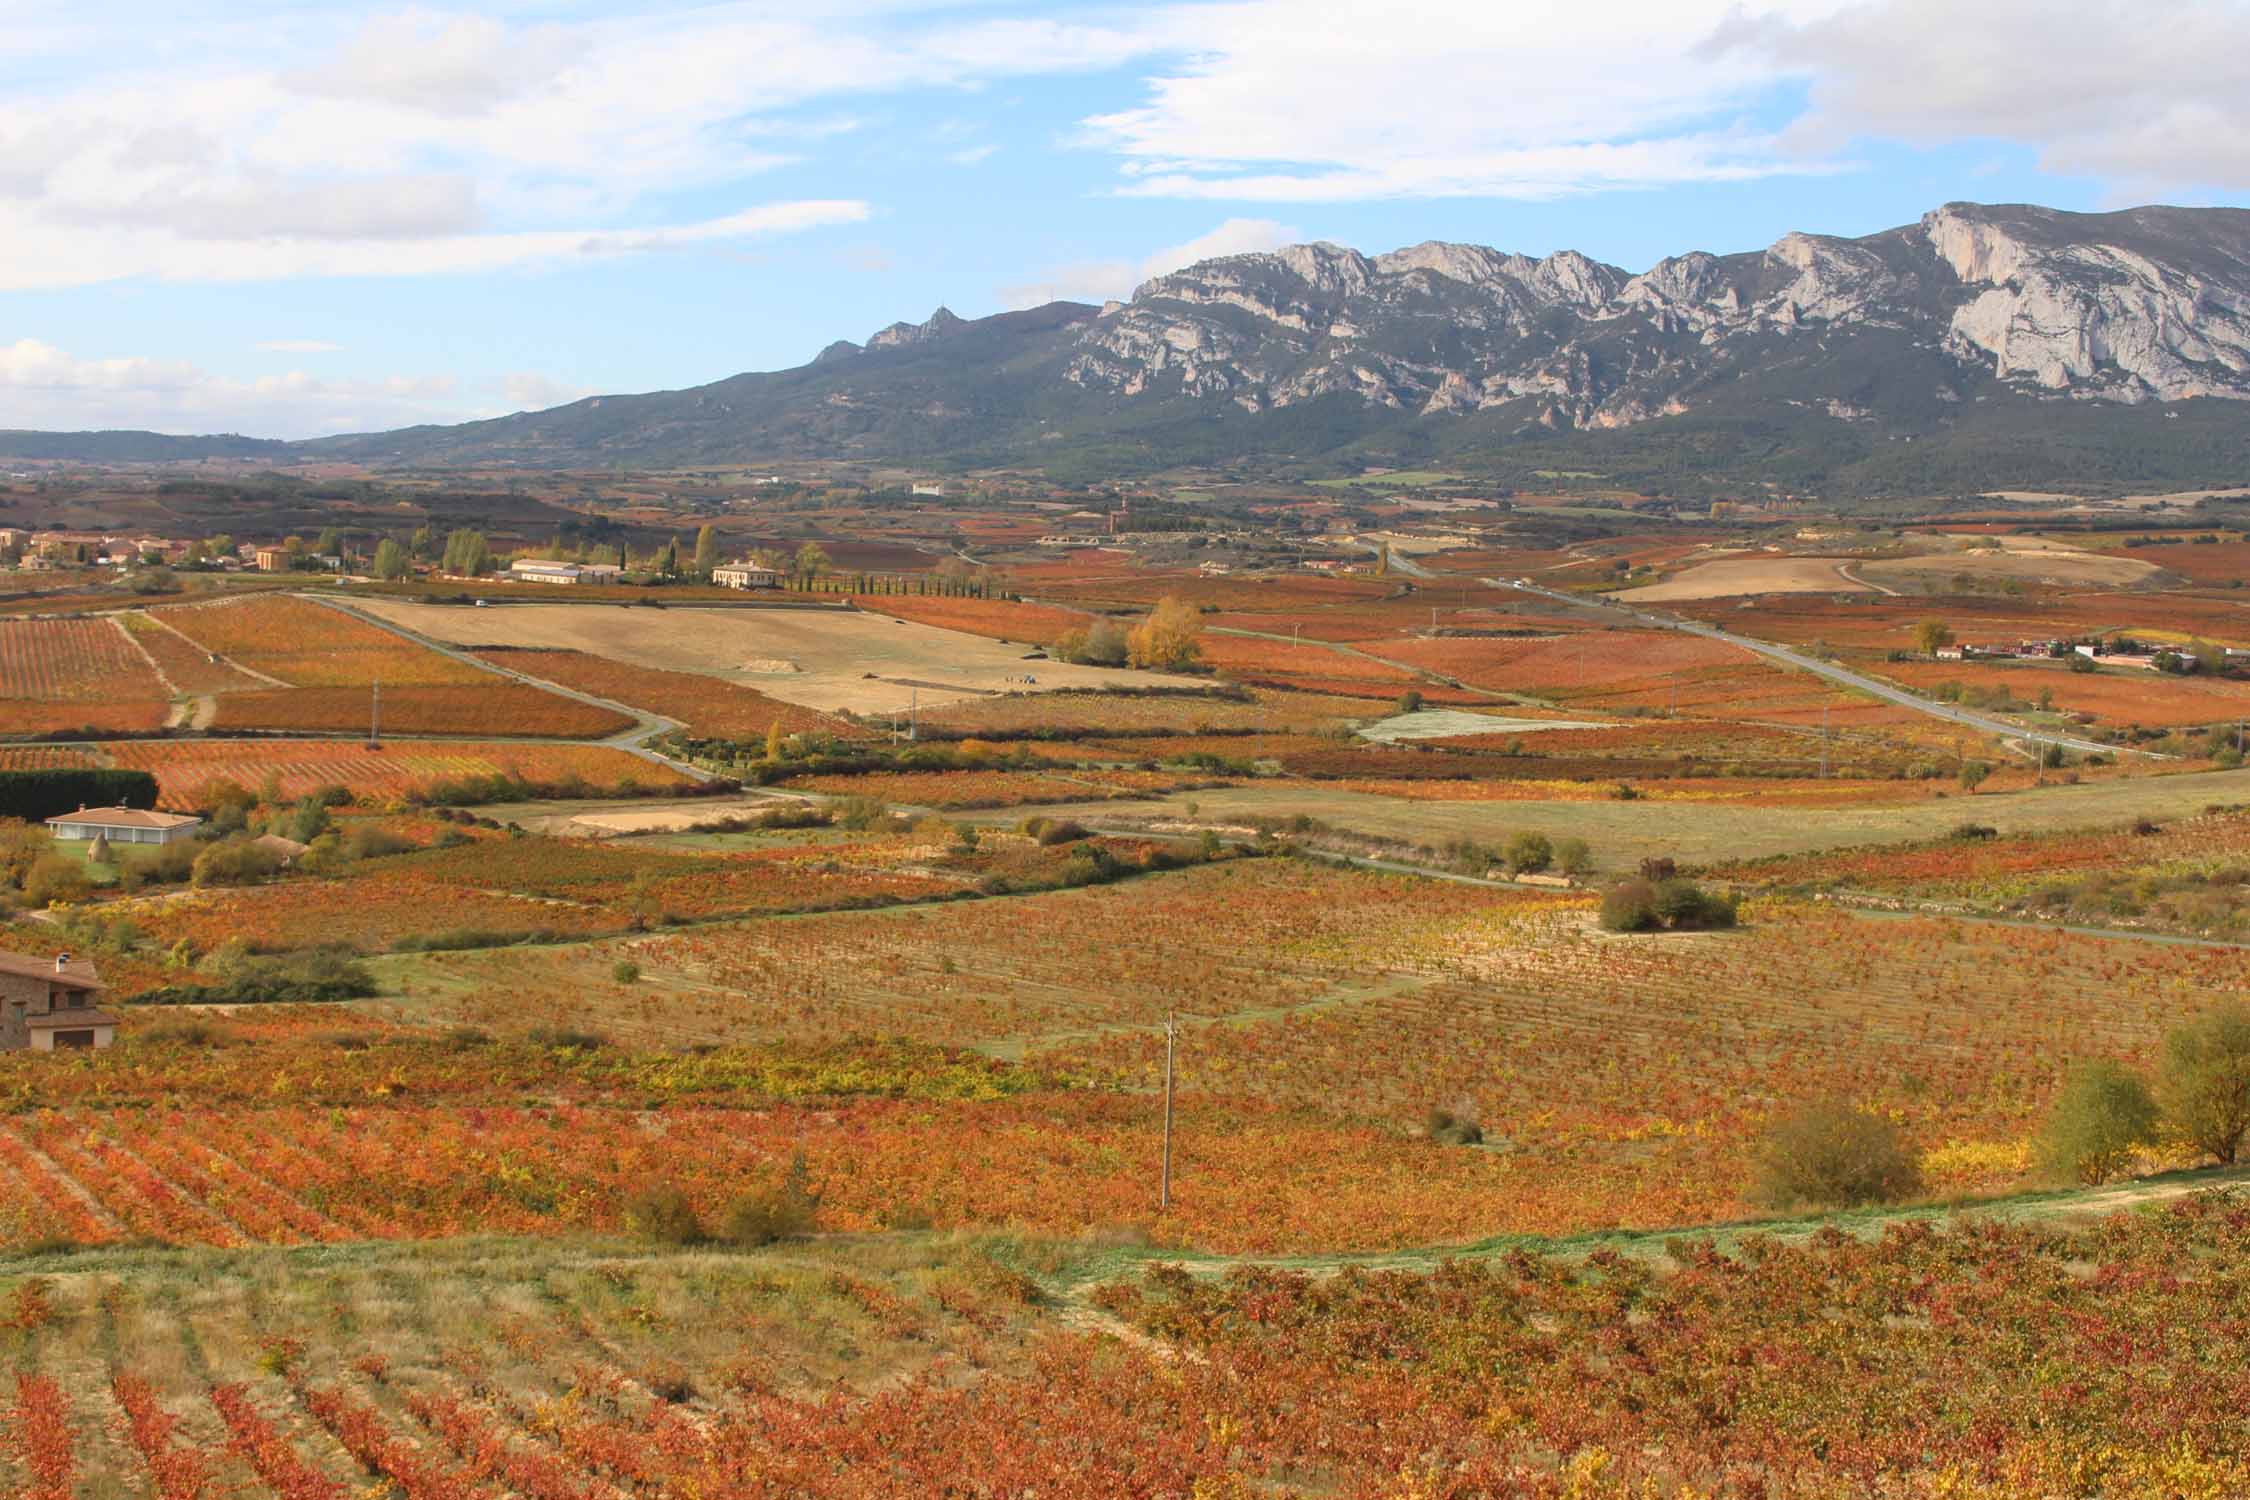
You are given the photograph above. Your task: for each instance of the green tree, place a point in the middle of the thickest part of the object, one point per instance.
(1931, 634)
(1973, 774)
(391, 561)
(1529, 852)
(706, 551)
(423, 544)
(813, 561)
(331, 542)
(668, 561)
(2203, 1080)
(2102, 1116)
(1573, 857)
(466, 553)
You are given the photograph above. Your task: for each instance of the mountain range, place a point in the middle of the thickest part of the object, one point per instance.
(1980, 346)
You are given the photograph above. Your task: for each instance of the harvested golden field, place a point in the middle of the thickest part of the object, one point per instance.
(823, 659)
(1728, 578)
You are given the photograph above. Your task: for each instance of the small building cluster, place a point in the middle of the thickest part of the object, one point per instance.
(745, 576)
(124, 825)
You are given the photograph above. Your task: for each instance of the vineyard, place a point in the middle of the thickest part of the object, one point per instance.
(494, 706)
(189, 668)
(708, 707)
(73, 661)
(1833, 1368)
(187, 769)
(1645, 1067)
(307, 644)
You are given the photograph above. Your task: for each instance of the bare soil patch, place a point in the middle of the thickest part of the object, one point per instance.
(1732, 576)
(824, 659)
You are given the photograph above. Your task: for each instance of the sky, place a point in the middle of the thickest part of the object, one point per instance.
(296, 219)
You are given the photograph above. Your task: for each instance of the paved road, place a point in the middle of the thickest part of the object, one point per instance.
(1844, 676)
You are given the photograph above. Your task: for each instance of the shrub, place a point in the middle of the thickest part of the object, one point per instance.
(567, 1038)
(53, 878)
(665, 1215)
(1630, 906)
(777, 1211)
(1831, 1155)
(372, 841)
(1687, 907)
(235, 861)
(1530, 852)
(1969, 833)
(625, 971)
(1064, 831)
(2101, 1117)
(1410, 701)
(1573, 857)
(298, 978)
(1453, 1127)
(2203, 1080)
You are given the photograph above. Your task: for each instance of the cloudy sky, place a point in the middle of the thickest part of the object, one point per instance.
(290, 219)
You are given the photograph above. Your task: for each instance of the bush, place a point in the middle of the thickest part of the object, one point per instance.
(1687, 907)
(2203, 1081)
(1630, 906)
(373, 841)
(1834, 1156)
(1451, 1127)
(1573, 857)
(1530, 852)
(567, 1038)
(53, 878)
(2102, 1116)
(665, 1215)
(1410, 701)
(299, 978)
(625, 971)
(235, 861)
(1061, 832)
(1969, 833)
(778, 1211)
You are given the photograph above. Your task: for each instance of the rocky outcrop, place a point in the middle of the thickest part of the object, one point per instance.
(2122, 307)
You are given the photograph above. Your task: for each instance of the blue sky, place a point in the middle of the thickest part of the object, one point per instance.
(297, 219)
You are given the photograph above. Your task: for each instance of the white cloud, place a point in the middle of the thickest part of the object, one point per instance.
(296, 346)
(454, 141)
(2144, 98)
(970, 156)
(1333, 100)
(1101, 280)
(45, 255)
(47, 387)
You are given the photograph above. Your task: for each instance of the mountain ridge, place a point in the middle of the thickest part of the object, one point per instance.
(1980, 333)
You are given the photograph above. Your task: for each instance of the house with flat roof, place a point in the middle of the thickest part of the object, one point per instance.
(125, 825)
(49, 1005)
(537, 570)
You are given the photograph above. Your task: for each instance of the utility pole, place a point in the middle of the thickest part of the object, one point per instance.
(375, 717)
(913, 713)
(1171, 1036)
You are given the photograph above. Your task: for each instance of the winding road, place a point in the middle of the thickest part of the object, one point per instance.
(1843, 676)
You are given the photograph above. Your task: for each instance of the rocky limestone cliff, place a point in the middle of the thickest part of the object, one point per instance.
(2151, 305)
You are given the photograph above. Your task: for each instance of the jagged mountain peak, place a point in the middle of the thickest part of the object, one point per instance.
(1880, 341)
